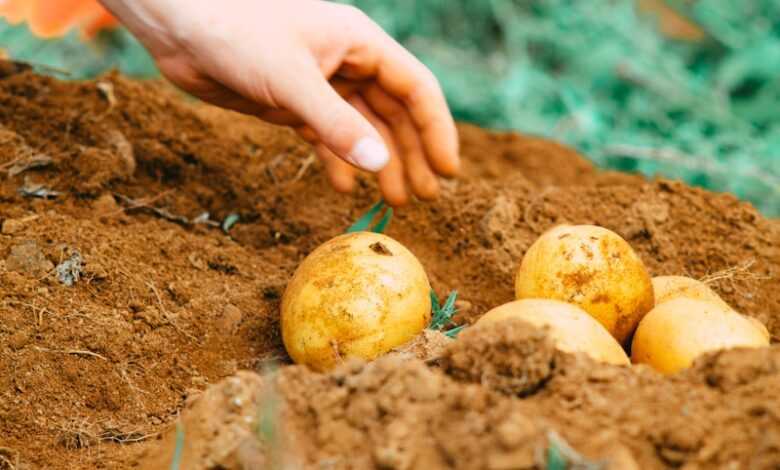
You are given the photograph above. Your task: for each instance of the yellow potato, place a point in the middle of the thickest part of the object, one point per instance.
(672, 287)
(761, 327)
(357, 295)
(676, 332)
(593, 268)
(570, 327)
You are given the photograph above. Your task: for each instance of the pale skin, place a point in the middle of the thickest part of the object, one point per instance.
(325, 69)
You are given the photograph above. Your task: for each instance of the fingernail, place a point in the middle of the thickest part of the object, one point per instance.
(369, 154)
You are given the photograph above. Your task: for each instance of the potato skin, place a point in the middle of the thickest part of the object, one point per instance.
(676, 332)
(570, 327)
(668, 288)
(593, 268)
(357, 295)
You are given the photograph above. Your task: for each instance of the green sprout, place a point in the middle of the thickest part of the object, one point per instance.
(179, 450)
(555, 459)
(364, 222)
(267, 423)
(442, 314)
(230, 221)
(268, 427)
(561, 456)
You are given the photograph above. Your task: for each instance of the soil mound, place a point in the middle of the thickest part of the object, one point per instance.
(122, 297)
(398, 413)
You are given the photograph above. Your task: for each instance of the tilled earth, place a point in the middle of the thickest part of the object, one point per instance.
(124, 304)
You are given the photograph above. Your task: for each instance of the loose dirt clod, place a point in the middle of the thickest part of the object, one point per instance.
(167, 311)
(27, 258)
(511, 357)
(12, 226)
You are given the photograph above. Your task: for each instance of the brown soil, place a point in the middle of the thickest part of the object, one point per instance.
(94, 375)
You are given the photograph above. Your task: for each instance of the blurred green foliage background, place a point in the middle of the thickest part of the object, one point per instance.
(597, 74)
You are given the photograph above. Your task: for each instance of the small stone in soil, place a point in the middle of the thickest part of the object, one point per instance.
(69, 271)
(28, 258)
(11, 226)
(230, 319)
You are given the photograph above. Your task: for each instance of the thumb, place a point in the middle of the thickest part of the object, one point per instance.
(339, 126)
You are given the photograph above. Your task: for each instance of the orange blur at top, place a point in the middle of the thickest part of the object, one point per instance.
(54, 18)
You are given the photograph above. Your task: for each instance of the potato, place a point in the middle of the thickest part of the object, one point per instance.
(673, 287)
(593, 268)
(357, 295)
(761, 327)
(676, 332)
(570, 327)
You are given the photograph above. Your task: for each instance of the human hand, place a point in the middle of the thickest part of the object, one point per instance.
(325, 69)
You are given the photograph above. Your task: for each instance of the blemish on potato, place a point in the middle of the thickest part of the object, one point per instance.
(380, 249)
(577, 278)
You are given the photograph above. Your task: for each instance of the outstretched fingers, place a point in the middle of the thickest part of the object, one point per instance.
(406, 79)
(421, 177)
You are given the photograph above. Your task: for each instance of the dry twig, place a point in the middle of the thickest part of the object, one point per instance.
(162, 213)
(167, 315)
(75, 352)
(135, 204)
(5, 458)
(77, 434)
(37, 312)
(308, 162)
(81, 433)
(269, 167)
(124, 437)
(738, 272)
(107, 90)
(34, 161)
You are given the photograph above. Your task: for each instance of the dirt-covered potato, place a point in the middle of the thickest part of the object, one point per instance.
(357, 295)
(593, 268)
(571, 328)
(676, 332)
(673, 287)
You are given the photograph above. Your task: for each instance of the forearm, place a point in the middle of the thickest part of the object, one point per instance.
(147, 20)
(169, 27)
